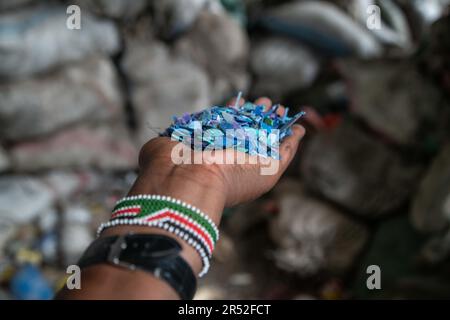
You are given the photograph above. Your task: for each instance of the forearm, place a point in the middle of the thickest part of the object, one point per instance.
(110, 282)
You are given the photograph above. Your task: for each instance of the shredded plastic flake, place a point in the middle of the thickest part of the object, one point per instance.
(248, 128)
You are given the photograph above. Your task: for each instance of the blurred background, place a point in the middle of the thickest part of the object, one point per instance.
(369, 186)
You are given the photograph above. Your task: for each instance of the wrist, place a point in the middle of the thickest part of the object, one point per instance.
(202, 190)
(198, 187)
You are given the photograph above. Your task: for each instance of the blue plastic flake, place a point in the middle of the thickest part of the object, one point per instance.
(248, 128)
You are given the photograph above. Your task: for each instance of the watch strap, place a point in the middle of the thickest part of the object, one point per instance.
(154, 253)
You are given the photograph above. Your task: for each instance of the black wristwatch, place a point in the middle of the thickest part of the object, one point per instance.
(157, 254)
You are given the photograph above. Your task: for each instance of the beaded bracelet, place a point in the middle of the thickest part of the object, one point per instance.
(140, 206)
(175, 216)
(185, 234)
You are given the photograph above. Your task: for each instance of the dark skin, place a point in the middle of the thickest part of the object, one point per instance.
(209, 186)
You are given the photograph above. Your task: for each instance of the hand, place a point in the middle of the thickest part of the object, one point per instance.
(224, 184)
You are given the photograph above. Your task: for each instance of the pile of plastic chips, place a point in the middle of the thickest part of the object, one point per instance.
(215, 124)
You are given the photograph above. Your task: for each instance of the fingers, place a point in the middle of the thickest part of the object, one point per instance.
(289, 146)
(281, 110)
(266, 102)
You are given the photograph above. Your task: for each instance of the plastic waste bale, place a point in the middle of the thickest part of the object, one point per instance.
(313, 236)
(281, 65)
(121, 9)
(355, 170)
(105, 146)
(85, 92)
(218, 44)
(435, 55)
(162, 86)
(392, 28)
(395, 100)
(324, 26)
(430, 212)
(425, 13)
(67, 183)
(431, 205)
(12, 4)
(174, 17)
(36, 39)
(23, 198)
